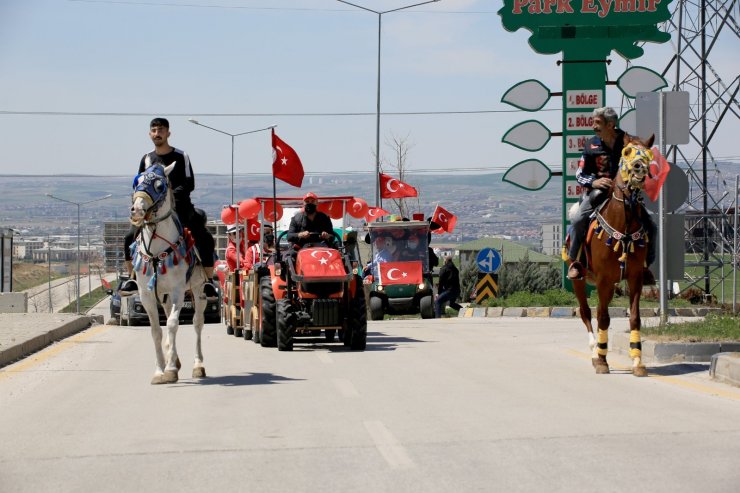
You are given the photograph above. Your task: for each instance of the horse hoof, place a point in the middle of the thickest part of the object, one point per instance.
(170, 376)
(639, 371)
(158, 380)
(601, 366)
(199, 372)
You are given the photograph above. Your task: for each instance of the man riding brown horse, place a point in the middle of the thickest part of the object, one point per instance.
(596, 171)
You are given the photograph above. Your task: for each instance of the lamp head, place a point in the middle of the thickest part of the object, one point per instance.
(193, 120)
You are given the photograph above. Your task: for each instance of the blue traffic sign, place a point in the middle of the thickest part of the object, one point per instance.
(489, 260)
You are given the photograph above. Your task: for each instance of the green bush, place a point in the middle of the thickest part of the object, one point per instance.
(526, 275)
(551, 297)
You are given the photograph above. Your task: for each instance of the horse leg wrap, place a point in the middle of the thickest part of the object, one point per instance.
(635, 344)
(602, 342)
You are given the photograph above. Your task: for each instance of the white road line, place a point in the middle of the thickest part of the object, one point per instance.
(345, 387)
(324, 357)
(392, 451)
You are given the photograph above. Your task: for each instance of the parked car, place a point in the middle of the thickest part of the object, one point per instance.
(128, 310)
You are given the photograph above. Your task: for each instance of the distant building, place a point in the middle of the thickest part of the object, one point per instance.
(552, 239)
(510, 252)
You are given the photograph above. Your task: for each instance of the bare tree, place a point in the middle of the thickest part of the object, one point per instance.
(398, 166)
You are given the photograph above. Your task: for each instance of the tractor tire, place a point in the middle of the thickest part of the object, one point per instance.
(229, 330)
(329, 335)
(285, 326)
(239, 332)
(248, 334)
(376, 308)
(426, 307)
(268, 337)
(357, 322)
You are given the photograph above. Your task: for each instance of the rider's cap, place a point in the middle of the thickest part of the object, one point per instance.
(160, 122)
(232, 228)
(310, 195)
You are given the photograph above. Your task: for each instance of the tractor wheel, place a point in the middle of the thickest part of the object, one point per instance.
(426, 307)
(269, 336)
(376, 308)
(248, 334)
(285, 327)
(329, 335)
(357, 322)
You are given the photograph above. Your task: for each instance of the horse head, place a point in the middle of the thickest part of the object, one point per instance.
(151, 192)
(634, 165)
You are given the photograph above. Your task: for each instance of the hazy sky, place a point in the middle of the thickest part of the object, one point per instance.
(106, 67)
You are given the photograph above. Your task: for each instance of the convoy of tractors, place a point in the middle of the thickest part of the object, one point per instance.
(323, 289)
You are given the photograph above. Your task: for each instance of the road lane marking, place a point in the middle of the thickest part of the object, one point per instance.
(324, 357)
(389, 447)
(52, 350)
(673, 380)
(345, 387)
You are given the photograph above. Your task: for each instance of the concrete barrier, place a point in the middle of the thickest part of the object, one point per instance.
(13, 302)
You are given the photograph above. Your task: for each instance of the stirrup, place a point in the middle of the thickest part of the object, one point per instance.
(575, 271)
(129, 287)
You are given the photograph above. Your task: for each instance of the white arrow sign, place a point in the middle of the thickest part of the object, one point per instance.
(531, 174)
(528, 95)
(529, 135)
(640, 79)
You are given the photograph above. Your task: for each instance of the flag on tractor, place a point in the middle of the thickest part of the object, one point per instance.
(374, 213)
(445, 219)
(393, 188)
(659, 169)
(286, 165)
(401, 272)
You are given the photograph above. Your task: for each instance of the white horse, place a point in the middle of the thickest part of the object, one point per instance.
(165, 263)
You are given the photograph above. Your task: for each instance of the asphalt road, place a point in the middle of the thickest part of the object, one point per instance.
(63, 292)
(452, 405)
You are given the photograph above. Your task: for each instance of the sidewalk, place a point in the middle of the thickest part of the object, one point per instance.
(22, 334)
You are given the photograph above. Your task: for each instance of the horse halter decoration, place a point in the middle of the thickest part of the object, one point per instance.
(151, 187)
(634, 165)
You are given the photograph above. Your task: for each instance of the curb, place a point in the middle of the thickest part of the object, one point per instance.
(567, 311)
(43, 339)
(725, 367)
(673, 352)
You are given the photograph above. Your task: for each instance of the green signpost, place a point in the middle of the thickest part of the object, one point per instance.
(586, 32)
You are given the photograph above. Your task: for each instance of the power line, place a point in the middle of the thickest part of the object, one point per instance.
(244, 7)
(185, 115)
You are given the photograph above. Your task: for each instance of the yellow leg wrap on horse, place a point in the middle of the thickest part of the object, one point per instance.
(602, 342)
(635, 344)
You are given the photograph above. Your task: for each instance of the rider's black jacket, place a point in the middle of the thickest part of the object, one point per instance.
(598, 160)
(181, 178)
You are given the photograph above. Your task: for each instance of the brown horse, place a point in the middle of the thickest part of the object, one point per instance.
(616, 248)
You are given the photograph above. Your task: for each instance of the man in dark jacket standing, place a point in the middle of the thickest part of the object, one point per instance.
(448, 288)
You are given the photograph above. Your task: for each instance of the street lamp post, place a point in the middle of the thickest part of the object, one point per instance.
(377, 109)
(78, 204)
(196, 122)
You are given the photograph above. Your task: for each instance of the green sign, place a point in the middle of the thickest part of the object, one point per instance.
(590, 27)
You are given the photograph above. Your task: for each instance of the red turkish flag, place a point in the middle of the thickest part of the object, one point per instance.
(393, 188)
(287, 165)
(401, 272)
(105, 283)
(374, 213)
(445, 219)
(659, 169)
(253, 230)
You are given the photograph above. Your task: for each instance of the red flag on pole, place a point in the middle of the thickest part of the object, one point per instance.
(401, 272)
(445, 219)
(105, 283)
(374, 213)
(393, 188)
(659, 169)
(287, 165)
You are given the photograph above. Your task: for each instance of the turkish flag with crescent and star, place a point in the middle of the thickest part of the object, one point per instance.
(659, 170)
(286, 165)
(393, 188)
(253, 230)
(401, 272)
(445, 219)
(374, 213)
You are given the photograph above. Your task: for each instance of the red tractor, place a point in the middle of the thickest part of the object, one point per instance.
(317, 288)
